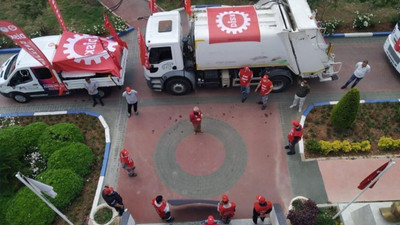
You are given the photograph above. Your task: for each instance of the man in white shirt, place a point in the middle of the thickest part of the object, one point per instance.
(91, 87)
(361, 69)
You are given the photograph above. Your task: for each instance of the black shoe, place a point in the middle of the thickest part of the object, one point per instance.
(287, 147)
(94, 104)
(290, 153)
(133, 175)
(243, 100)
(263, 107)
(171, 220)
(102, 104)
(259, 102)
(343, 87)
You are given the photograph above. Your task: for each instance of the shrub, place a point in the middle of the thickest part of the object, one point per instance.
(57, 136)
(363, 20)
(388, 144)
(313, 146)
(346, 146)
(303, 213)
(330, 26)
(37, 163)
(344, 113)
(77, 156)
(31, 133)
(27, 208)
(324, 218)
(4, 203)
(11, 141)
(66, 183)
(365, 146)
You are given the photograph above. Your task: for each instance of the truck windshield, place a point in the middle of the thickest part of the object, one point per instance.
(10, 68)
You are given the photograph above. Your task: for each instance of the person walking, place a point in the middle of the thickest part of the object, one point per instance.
(226, 209)
(91, 87)
(302, 91)
(294, 137)
(113, 199)
(210, 221)
(361, 69)
(266, 88)
(162, 208)
(261, 208)
(245, 76)
(195, 117)
(127, 162)
(131, 99)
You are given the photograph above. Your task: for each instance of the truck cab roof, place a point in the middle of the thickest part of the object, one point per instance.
(163, 27)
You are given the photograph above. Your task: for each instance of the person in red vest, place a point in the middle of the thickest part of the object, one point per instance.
(226, 209)
(245, 76)
(210, 221)
(294, 136)
(261, 208)
(196, 117)
(266, 87)
(127, 162)
(162, 208)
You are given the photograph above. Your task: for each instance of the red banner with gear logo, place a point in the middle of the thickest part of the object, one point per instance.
(233, 24)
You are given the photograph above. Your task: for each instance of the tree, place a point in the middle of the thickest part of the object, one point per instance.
(345, 112)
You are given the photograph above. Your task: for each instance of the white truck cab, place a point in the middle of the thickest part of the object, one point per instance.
(392, 52)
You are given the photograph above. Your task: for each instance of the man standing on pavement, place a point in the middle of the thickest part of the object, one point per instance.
(195, 117)
(294, 137)
(361, 69)
(245, 76)
(162, 208)
(131, 99)
(91, 87)
(113, 199)
(261, 209)
(302, 91)
(226, 209)
(127, 162)
(266, 87)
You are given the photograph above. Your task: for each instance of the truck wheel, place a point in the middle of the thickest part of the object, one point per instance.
(178, 86)
(21, 98)
(280, 83)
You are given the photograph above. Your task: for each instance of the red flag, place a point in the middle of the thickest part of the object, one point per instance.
(152, 6)
(364, 183)
(109, 26)
(188, 7)
(115, 60)
(144, 58)
(57, 12)
(397, 45)
(22, 40)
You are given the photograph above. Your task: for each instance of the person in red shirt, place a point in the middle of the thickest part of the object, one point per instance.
(294, 136)
(245, 76)
(226, 209)
(261, 208)
(127, 162)
(196, 117)
(162, 208)
(266, 87)
(210, 221)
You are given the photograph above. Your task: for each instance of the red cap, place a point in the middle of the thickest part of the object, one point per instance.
(260, 198)
(246, 68)
(210, 220)
(295, 123)
(265, 76)
(128, 89)
(225, 198)
(108, 190)
(124, 153)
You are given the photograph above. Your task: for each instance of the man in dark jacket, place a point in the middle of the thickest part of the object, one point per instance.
(302, 91)
(113, 199)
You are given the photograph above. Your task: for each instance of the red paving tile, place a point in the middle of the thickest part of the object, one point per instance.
(266, 171)
(341, 178)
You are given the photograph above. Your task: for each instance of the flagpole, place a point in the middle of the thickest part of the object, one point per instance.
(391, 163)
(22, 178)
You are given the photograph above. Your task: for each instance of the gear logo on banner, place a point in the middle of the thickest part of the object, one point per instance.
(88, 48)
(233, 22)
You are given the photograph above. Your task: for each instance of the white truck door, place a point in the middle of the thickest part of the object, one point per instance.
(161, 61)
(22, 81)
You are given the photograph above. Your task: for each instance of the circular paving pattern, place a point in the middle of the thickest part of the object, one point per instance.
(211, 184)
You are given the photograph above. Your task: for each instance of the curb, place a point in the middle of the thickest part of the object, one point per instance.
(308, 110)
(360, 34)
(15, 50)
(106, 148)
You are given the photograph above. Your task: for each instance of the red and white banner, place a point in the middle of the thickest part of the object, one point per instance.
(397, 45)
(109, 26)
(144, 58)
(364, 183)
(152, 6)
(57, 12)
(188, 7)
(233, 24)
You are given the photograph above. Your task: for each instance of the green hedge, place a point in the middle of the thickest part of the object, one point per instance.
(27, 208)
(344, 113)
(66, 184)
(77, 156)
(388, 143)
(58, 136)
(31, 133)
(326, 147)
(10, 140)
(4, 203)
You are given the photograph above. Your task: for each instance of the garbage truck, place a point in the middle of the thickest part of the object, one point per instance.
(392, 47)
(74, 58)
(281, 38)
